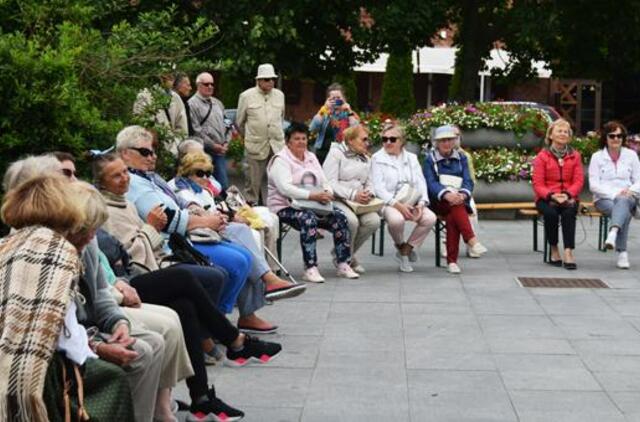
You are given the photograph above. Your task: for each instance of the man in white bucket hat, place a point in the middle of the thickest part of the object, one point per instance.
(259, 119)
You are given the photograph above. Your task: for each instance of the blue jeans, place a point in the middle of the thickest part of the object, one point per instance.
(236, 261)
(620, 210)
(220, 170)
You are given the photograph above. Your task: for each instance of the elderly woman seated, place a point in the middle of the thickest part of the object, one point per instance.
(446, 171)
(348, 170)
(148, 191)
(294, 175)
(614, 180)
(398, 181)
(39, 329)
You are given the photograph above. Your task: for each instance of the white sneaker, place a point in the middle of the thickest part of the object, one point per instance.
(345, 271)
(453, 268)
(610, 243)
(405, 266)
(623, 261)
(476, 251)
(355, 266)
(312, 275)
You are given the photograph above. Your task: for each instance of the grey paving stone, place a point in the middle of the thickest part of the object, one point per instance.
(619, 381)
(572, 302)
(589, 327)
(611, 347)
(454, 406)
(547, 406)
(436, 308)
(541, 346)
(616, 363)
(519, 326)
(545, 372)
(430, 382)
(425, 358)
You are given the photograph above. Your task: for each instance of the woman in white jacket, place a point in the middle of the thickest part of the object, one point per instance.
(614, 176)
(394, 171)
(347, 168)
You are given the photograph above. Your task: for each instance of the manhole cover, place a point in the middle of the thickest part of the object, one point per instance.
(563, 283)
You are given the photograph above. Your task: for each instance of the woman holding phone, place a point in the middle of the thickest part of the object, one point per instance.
(331, 120)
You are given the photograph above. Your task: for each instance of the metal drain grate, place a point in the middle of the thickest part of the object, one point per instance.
(562, 283)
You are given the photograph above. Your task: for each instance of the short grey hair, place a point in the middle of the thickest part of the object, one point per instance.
(29, 167)
(201, 76)
(190, 145)
(130, 136)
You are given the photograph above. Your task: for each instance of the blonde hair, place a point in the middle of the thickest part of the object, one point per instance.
(352, 132)
(558, 122)
(193, 159)
(389, 125)
(45, 201)
(93, 205)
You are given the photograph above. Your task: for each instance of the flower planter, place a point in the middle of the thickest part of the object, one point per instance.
(493, 138)
(503, 191)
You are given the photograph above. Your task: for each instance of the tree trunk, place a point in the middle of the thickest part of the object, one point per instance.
(473, 43)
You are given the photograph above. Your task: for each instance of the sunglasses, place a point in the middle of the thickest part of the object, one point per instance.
(69, 173)
(270, 79)
(202, 173)
(615, 135)
(390, 139)
(145, 152)
(207, 84)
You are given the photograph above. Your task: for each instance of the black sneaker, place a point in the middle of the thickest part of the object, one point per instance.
(254, 350)
(213, 410)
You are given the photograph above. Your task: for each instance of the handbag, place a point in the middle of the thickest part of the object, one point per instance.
(407, 195)
(315, 206)
(185, 253)
(450, 181)
(374, 205)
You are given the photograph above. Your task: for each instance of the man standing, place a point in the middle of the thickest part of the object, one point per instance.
(259, 120)
(168, 108)
(207, 119)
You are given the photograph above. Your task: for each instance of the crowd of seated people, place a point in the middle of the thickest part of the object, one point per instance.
(98, 272)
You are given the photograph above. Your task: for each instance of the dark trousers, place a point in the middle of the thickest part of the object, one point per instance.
(554, 215)
(181, 291)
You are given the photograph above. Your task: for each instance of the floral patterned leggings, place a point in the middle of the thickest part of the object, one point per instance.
(308, 222)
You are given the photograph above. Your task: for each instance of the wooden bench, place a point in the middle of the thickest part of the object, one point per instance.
(586, 209)
(525, 209)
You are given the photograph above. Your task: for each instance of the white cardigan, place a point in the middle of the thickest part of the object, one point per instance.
(607, 179)
(389, 172)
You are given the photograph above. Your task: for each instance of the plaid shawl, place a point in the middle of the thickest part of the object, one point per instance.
(39, 270)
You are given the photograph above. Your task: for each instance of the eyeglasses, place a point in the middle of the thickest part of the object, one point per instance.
(390, 139)
(209, 84)
(145, 152)
(615, 135)
(270, 79)
(202, 173)
(69, 173)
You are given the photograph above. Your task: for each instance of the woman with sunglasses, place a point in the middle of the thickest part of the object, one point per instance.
(348, 170)
(395, 171)
(614, 180)
(557, 181)
(194, 183)
(330, 122)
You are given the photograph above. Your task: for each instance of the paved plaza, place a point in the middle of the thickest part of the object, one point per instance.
(429, 346)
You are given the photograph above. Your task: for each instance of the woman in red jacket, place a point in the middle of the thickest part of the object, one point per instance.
(557, 182)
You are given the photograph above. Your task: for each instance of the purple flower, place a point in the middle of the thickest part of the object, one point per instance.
(471, 109)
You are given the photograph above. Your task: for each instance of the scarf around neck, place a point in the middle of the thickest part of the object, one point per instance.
(560, 154)
(39, 270)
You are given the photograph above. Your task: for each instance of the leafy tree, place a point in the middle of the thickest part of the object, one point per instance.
(397, 88)
(70, 86)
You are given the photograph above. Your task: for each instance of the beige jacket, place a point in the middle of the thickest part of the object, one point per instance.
(141, 240)
(259, 119)
(346, 172)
